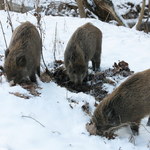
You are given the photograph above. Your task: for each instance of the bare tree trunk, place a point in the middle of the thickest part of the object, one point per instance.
(81, 8)
(141, 15)
(147, 26)
(1, 4)
(11, 5)
(109, 7)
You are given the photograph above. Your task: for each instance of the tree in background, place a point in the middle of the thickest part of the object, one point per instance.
(138, 25)
(1, 4)
(147, 24)
(81, 8)
(144, 24)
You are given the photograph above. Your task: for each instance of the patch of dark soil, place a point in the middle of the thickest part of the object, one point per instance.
(93, 83)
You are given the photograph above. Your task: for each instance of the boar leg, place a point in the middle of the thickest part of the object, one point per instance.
(33, 77)
(135, 127)
(38, 71)
(93, 65)
(148, 123)
(96, 63)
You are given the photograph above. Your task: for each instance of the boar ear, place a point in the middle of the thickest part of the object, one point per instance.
(21, 61)
(6, 52)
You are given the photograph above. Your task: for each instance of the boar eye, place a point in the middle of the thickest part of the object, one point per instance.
(74, 71)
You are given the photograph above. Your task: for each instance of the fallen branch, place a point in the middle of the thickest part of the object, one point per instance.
(33, 119)
(29, 117)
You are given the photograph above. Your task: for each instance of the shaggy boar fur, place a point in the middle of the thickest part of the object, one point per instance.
(22, 58)
(84, 45)
(127, 104)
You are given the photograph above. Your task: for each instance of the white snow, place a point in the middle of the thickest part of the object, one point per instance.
(65, 127)
(118, 2)
(32, 3)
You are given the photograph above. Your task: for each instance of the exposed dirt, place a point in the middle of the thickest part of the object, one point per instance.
(93, 83)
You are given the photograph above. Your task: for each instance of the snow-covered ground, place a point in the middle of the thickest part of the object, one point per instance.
(32, 3)
(118, 2)
(63, 128)
(121, 10)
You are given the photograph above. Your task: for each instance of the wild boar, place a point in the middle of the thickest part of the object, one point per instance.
(126, 105)
(84, 45)
(22, 58)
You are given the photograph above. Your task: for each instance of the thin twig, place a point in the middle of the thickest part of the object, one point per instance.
(55, 42)
(46, 68)
(41, 33)
(107, 16)
(38, 17)
(9, 18)
(145, 128)
(33, 119)
(3, 34)
(132, 139)
(40, 124)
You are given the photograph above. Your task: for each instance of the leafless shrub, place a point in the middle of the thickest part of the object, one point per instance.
(39, 25)
(7, 8)
(3, 34)
(55, 40)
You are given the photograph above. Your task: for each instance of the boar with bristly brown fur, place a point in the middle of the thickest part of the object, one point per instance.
(126, 105)
(22, 58)
(84, 45)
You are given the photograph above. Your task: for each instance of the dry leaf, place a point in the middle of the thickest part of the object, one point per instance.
(32, 88)
(20, 95)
